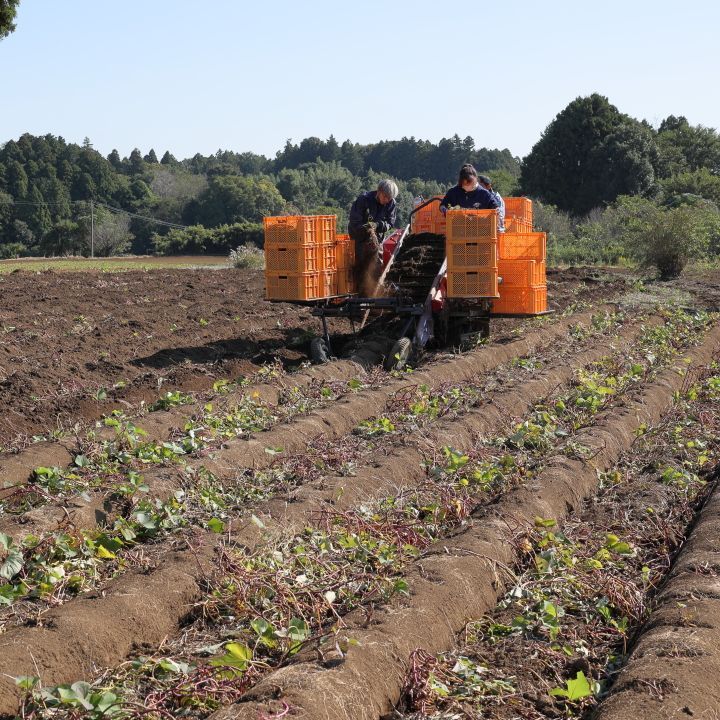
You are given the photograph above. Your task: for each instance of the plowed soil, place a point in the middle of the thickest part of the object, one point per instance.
(75, 346)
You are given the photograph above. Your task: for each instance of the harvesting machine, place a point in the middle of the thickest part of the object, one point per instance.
(444, 277)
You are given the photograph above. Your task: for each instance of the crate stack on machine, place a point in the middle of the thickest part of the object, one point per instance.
(345, 265)
(429, 219)
(300, 257)
(471, 248)
(521, 263)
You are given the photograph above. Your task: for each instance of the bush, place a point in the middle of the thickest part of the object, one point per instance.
(8, 251)
(248, 256)
(667, 239)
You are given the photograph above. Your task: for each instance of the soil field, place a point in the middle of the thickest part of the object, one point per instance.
(196, 523)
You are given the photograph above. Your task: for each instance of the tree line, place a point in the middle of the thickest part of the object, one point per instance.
(587, 163)
(52, 190)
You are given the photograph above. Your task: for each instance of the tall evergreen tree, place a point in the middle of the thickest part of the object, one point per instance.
(588, 155)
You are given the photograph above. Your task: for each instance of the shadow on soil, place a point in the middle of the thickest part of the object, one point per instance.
(291, 344)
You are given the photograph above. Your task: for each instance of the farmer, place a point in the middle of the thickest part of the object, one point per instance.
(468, 193)
(371, 216)
(485, 182)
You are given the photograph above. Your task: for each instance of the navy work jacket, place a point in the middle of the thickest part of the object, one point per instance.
(477, 199)
(367, 208)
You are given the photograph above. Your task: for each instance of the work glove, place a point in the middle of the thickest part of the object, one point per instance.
(381, 228)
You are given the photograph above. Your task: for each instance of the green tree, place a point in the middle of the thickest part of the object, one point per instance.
(667, 238)
(115, 160)
(686, 148)
(63, 239)
(151, 157)
(232, 199)
(137, 164)
(8, 10)
(168, 159)
(702, 183)
(588, 155)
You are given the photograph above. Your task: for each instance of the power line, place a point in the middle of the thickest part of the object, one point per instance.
(107, 207)
(143, 217)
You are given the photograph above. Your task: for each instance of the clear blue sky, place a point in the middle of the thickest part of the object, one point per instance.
(246, 75)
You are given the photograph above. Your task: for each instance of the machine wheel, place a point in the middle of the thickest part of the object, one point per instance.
(399, 354)
(319, 351)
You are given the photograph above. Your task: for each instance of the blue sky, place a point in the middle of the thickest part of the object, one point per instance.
(196, 77)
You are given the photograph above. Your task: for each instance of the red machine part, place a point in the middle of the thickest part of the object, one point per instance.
(439, 296)
(388, 246)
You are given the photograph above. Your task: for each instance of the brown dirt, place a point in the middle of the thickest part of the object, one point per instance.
(461, 579)
(134, 335)
(49, 648)
(261, 338)
(674, 666)
(63, 336)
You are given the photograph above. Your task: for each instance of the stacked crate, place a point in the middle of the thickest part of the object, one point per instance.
(345, 264)
(300, 257)
(471, 248)
(518, 214)
(521, 262)
(429, 219)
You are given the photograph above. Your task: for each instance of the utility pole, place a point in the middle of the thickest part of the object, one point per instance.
(92, 230)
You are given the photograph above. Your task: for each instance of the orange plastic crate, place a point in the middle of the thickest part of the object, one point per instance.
(299, 229)
(328, 256)
(328, 283)
(515, 225)
(290, 230)
(471, 254)
(292, 286)
(346, 282)
(325, 228)
(292, 259)
(522, 301)
(471, 225)
(523, 246)
(345, 252)
(472, 283)
(422, 220)
(519, 207)
(521, 273)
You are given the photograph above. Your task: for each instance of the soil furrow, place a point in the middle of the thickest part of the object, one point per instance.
(406, 467)
(342, 417)
(392, 471)
(677, 651)
(17, 469)
(19, 645)
(461, 579)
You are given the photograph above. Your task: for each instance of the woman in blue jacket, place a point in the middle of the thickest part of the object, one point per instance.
(468, 193)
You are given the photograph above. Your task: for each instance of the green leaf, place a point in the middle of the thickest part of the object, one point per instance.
(106, 701)
(27, 682)
(577, 689)
(103, 552)
(237, 656)
(81, 461)
(216, 525)
(298, 630)
(12, 564)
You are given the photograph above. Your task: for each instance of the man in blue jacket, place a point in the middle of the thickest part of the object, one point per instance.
(468, 193)
(371, 216)
(377, 206)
